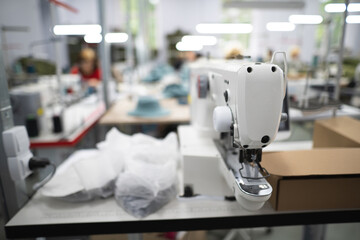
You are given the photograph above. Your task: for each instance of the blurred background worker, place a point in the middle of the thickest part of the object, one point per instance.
(88, 68)
(234, 53)
(297, 69)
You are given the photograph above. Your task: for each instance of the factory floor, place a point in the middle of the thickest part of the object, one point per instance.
(348, 231)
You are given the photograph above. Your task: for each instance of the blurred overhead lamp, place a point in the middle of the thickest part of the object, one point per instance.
(305, 19)
(280, 26)
(203, 40)
(354, 7)
(187, 46)
(353, 19)
(340, 7)
(224, 28)
(116, 37)
(335, 7)
(93, 38)
(77, 29)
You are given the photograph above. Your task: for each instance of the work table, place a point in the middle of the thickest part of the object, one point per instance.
(43, 217)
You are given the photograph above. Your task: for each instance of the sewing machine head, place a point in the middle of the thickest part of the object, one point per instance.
(246, 99)
(253, 105)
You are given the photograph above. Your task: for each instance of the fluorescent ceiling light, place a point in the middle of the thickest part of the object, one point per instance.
(116, 37)
(224, 28)
(335, 7)
(354, 7)
(203, 40)
(340, 7)
(93, 38)
(353, 19)
(187, 46)
(77, 29)
(305, 19)
(280, 26)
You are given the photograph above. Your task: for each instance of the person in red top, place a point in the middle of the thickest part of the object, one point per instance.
(88, 67)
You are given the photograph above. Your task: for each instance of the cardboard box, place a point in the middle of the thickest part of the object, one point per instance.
(324, 178)
(337, 132)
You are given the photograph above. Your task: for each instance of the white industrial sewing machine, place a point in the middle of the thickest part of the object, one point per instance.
(238, 104)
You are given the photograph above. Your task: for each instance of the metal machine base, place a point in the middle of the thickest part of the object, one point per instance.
(250, 188)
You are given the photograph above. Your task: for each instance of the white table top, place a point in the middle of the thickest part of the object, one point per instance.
(43, 211)
(43, 216)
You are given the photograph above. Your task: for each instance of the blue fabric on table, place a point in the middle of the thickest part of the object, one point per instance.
(148, 106)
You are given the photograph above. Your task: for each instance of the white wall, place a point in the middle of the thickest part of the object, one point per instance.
(352, 39)
(184, 15)
(35, 14)
(170, 15)
(88, 13)
(21, 13)
(303, 36)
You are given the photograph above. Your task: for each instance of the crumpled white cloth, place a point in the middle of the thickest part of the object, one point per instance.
(88, 174)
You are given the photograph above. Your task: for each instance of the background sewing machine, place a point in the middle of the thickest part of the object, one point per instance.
(237, 108)
(46, 113)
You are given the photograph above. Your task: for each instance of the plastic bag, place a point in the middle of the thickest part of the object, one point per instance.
(144, 190)
(150, 178)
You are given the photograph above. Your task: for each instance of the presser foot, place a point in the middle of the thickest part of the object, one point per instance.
(250, 193)
(250, 188)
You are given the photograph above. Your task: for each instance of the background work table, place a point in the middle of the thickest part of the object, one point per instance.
(118, 113)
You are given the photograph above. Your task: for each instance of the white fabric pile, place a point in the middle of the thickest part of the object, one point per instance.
(139, 169)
